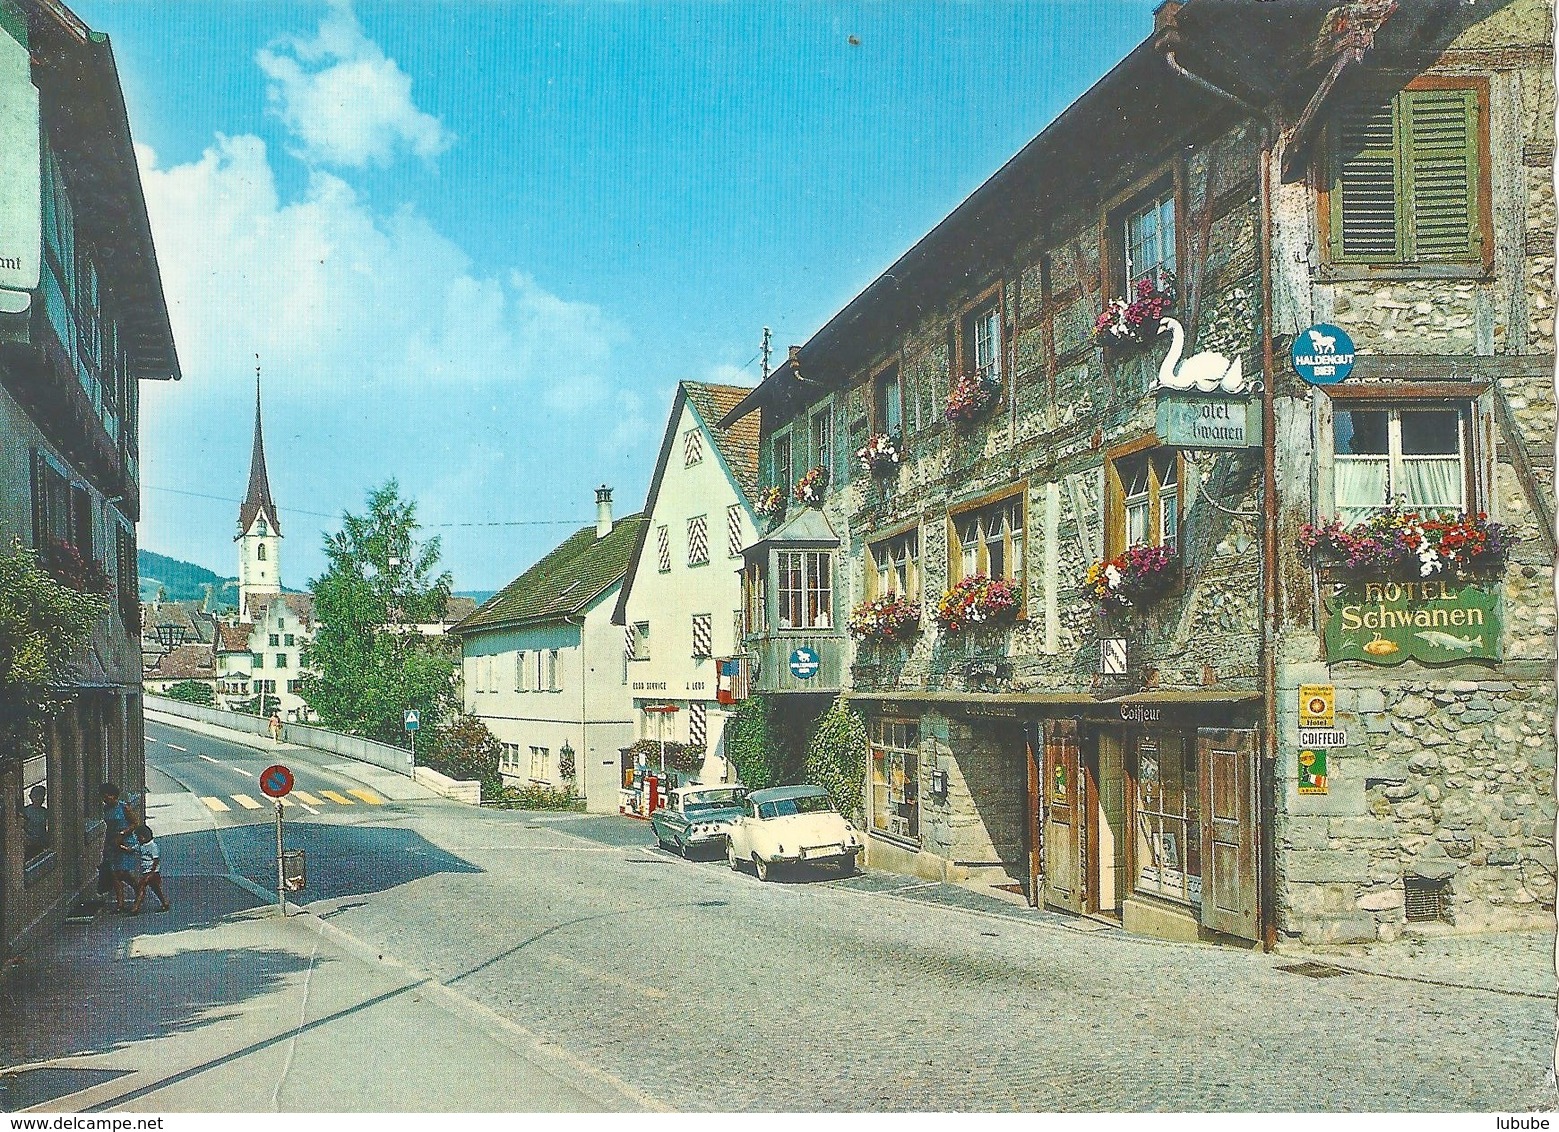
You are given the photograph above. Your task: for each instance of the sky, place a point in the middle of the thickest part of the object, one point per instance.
(474, 244)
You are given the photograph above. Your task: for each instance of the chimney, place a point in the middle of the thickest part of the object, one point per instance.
(603, 511)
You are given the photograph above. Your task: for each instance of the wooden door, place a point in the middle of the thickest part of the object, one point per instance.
(1065, 878)
(1226, 766)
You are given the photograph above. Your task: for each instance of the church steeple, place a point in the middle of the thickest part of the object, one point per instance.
(259, 530)
(258, 499)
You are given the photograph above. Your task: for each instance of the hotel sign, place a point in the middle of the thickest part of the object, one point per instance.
(1186, 420)
(21, 200)
(1431, 621)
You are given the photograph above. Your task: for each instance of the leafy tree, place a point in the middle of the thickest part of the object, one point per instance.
(43, 626)
(191, 692)
(466, 750)
(366, 664)
(764, 744)
(836, 759)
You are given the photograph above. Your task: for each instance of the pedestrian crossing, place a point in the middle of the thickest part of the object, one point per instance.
(221, 805)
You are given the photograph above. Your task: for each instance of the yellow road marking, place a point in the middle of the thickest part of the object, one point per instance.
(336, 798)
(306, 798)
(246, 802)
(368, 796)
(216, 804)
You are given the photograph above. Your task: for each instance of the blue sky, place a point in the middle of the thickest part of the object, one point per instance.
(476, 244)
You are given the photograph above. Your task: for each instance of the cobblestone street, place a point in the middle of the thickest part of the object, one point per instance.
(710, 990)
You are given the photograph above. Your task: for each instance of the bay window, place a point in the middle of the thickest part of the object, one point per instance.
(805, 589)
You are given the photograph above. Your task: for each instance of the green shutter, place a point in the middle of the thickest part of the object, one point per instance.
(1365, 223)
(1441, 173)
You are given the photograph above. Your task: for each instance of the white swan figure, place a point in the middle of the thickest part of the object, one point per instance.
(1206, 372)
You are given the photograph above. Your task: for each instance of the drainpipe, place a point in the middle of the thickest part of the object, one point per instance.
(1266, 763)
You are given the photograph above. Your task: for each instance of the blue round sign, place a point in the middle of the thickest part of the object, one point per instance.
(804, 664)
(1323, 354)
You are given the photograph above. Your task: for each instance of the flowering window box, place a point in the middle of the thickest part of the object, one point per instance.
(890, 618)
(813, 487)
(770, 503)
(70, 568)
(971, 395)
(1123, 326)
(1131, 579)
(1404, 545)
(978, 600)
(880, 454)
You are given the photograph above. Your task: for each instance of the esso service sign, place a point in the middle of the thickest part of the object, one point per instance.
(1323, 354)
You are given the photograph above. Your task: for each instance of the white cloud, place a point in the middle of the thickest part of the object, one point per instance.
(345, 100)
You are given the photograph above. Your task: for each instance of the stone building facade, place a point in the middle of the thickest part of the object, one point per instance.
(1140, 762)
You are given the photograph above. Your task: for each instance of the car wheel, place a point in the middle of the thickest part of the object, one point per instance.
(731, 857)
(685, 850)
(761, 867)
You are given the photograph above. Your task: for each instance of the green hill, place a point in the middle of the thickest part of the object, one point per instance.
(181, 581)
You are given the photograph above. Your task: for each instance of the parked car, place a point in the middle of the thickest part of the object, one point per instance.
(791, 825)
(696, 817)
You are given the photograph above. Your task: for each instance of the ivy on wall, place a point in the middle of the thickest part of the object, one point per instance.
(765, 743)
(836, 759)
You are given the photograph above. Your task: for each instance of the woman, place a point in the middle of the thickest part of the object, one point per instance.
(120, 862)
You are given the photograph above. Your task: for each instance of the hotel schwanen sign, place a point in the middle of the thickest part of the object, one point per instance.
(1431, 621)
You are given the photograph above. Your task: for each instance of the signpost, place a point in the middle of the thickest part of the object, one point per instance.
(276, 782)
(1188, 420)
(804, 663)
(1323, 354)
(413, 723)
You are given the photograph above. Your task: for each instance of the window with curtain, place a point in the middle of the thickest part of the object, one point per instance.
(1150, 242)
(805, 589)
(897, 566)
(1145, 490)
(982, 342)
(1416, 457)
(990, 540)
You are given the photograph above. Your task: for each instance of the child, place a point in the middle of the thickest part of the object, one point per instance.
(148, 873)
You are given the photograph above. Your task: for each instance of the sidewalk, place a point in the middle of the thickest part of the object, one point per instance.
(1518, 963)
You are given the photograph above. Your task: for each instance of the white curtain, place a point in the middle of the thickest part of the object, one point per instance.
(1360, 487)
(1432, 485)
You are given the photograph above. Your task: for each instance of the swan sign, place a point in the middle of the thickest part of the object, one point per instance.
(1323, 354)
(1192, 420)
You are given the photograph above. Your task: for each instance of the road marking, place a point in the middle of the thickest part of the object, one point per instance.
(241, 771)
(368, 796)
(307, 799)
(209, 759)
(176, 747)
(245, 801)
(216, 804)
(337, 798)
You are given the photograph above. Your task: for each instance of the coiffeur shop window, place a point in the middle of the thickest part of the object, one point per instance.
(1169, 828)
(896, 778)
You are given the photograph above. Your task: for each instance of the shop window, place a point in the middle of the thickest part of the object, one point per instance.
(1148, 241)
(1144, 502)
(1169, 830)
(698, 540)
(805, 589)
(692, 448)
(887, 403)
(1404, 179)
(1412, 457)
(990, 540)
(895, 751)
(896, 566)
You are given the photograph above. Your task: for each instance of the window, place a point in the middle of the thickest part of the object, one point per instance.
(509, 759)
(823, 438)
(552, 671)
(521, 681)
(703, 636)
(259, 552)
(1144, 502)
(1415, 456)
(805, 589)
(265, 687)
(733, 531)
(896, 563)
(38, 826)
(698, 540)
(663, 547)
(754, 599)
(896, 778)
(990, 540)
(539, 758)
(641, 640)
(275, 640)
(1149, 242)
(982, 342)
(887, 403)
(281, 660)
(692, 448)
(1404, 181)
(294, 686)
(783, 472)
(258, 659)
(1169, 832)
(289, 640)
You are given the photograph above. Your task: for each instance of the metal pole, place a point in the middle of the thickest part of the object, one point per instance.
(414, 753)
(281, 887)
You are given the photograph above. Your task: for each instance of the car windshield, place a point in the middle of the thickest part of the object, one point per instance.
(785, 807)
(712, 800)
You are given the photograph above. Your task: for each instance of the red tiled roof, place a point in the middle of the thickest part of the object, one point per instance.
(738, 444)
(233, 638)
(187, 662)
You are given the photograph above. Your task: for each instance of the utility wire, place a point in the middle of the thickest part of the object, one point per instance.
(322, 515)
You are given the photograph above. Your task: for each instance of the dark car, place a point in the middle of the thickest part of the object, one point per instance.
(697, 817)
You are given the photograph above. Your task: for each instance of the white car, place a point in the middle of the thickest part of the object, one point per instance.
(791, 825)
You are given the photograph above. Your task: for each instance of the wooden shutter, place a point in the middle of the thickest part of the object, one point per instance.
(1440, 143)
(1065, 877)
(1227, 768)
(1364, 193)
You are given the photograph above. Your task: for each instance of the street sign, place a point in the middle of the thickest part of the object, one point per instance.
(276, 781)
(1317, 705)
(1323, 354)
(1322, 737)
(804, 663)
(413, 722)
(1312, 772)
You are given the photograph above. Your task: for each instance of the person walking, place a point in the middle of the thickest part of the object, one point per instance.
(276, 726)
(35, 823)
(119, 865)
(148, 871)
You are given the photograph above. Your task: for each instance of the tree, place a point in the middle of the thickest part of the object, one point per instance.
(191, 692)
(764, 743)
(44, 624)
(465, 750)
(366, 664)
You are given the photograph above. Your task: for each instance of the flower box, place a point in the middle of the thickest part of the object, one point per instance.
(1123, 326)
(813, 487)
(1131, 579)
(770, 503)
(880, 453)
(970, 396)
(70, 568)
(1405, 545)
(977, 600)
(890, 618)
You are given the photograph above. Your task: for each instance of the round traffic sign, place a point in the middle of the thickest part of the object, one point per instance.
(276, 781)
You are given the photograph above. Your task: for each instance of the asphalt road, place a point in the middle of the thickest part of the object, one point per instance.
(708, 990)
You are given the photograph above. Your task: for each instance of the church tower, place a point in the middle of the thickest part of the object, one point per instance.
(259, 532)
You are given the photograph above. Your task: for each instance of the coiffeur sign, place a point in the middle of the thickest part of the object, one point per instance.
(1432, 621)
